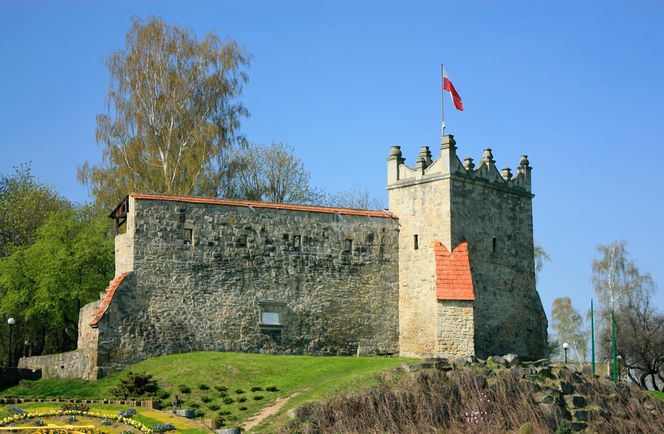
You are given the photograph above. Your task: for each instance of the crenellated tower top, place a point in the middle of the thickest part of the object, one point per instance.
(448, 164)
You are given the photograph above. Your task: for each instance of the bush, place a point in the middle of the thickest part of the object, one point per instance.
(243, 408)
(224, 412)
(527, 428)
(242, 399)
(204, 387)
(564, 428)
(194, 405)
(228, 400)
(256, 389)
(164, 395)
(75, 407)
(213, 407)
(220, 421)
(223, 394)
(272, 389)
(258, 397)
(206, 399)
(221, 388)
(184, 389)
(239, 391)
(127, 413)
(162, 427)
(134, 385)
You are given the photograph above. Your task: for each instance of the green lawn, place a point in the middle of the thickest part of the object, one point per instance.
(310, 377)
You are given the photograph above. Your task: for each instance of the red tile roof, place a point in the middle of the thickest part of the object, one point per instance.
(110, 292)
(284, 206)
(453, 278)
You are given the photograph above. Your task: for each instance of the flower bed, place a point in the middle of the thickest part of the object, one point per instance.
(123, 417)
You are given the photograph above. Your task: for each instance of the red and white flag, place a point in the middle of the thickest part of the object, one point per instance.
(448, 86)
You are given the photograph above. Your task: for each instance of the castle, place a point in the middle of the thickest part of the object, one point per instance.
(447, 271)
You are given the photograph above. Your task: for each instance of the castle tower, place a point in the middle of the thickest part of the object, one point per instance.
(466, 264)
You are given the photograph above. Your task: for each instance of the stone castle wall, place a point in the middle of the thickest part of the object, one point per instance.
(215, 277)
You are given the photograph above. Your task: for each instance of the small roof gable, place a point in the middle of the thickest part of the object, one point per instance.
(454, 280)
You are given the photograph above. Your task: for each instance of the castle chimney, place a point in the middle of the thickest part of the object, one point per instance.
(394, 160)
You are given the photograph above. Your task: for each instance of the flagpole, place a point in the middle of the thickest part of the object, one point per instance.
(442, 97)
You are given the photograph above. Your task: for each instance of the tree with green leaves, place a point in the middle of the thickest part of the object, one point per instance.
(272, 174)
(569, 327)
(45, 284)
(25, 204)
(172, 115)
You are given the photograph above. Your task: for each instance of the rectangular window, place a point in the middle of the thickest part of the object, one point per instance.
(348, 247)
(297, 242)
(187, 236)
(242, 240)
(416, 242)
(493, 245)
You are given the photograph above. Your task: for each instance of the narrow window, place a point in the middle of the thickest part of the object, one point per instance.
(242, 241)
(187, 236)
(348, 247)
(297, 242)
(493, 245)
(416, 242)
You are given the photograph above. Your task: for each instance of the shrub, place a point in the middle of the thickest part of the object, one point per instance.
(256, 388)
(164, 395)
(243, 408)
(194, 405)
(239, 391)
(135, 384)
(213, 407)
(38, 422)
(272, 389)
(223, 394)
(204, 387)
(228, 400)
(184, 389)
(242, 399)
(220, 421)
(162, 427)
(224, 412)
(127, 413)
(75, 407)
(206, 399)
(221, 388)
(564, 428)
(15, 410)
(527, 428)
(258, 397)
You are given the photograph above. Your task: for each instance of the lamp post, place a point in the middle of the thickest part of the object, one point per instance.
(10, 323)
(565, 347)
(618, 359)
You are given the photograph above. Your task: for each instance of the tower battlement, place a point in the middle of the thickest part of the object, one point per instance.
(449, 164)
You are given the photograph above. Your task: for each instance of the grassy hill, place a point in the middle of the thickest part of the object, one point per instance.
(233, 385)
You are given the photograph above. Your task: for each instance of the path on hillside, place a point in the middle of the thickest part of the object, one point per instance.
(268, 411)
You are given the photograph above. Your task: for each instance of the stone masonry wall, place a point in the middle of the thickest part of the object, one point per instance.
(508, 312)
(205, 275)
(455, 325)
(419, 214)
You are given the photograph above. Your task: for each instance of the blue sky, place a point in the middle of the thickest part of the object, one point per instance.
(576, 85)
